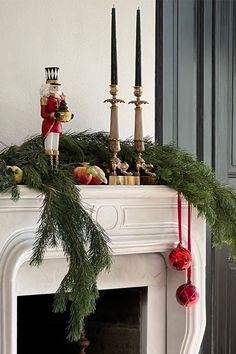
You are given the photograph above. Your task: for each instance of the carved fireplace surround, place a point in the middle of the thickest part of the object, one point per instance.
(141, 222)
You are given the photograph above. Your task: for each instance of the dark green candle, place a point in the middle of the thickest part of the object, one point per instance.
(114, 80)
(138, 73)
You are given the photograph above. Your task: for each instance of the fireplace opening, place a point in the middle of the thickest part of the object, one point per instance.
(116, 327)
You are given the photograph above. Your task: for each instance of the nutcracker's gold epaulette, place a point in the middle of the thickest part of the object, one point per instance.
(44, 101)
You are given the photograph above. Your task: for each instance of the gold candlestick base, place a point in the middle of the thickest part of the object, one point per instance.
(127, 177)
(116, 163)
(151, 177)
(139, 146)
(124, 180)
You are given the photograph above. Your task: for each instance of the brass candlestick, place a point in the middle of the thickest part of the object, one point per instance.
(138, 139)
(114, 143)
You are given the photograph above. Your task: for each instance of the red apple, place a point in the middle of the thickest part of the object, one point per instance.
(98, 175)
(82, 174)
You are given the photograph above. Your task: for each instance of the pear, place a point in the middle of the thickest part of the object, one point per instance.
(18, 173)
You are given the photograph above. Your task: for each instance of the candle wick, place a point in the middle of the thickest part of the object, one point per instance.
(113, 6)
(138, 7)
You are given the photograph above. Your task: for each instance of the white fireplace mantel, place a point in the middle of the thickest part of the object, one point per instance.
(141, 222)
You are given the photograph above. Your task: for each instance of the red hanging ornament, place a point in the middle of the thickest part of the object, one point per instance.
(187, 294)
(180, 258)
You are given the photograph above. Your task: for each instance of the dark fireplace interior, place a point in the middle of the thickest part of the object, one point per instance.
(114, 328)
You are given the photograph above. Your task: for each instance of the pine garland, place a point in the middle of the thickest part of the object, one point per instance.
(84, 242)
(63, 222)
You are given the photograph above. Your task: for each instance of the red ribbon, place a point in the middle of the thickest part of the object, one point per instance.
(189, 271)
(180, 218)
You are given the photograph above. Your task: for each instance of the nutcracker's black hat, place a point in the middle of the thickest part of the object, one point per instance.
(52, 73)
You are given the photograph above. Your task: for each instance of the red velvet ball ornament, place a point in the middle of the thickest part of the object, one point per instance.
(180, 258)
(187, 294)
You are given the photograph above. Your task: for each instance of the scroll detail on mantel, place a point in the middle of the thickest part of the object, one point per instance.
(140, 221)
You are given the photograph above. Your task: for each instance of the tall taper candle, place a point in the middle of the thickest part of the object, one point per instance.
(114, 80)
(138, 73)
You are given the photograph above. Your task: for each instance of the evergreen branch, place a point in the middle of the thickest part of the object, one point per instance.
(64, 222)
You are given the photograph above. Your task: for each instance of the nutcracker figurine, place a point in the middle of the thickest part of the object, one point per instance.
(53, 111)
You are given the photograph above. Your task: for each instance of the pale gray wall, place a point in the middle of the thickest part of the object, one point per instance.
(74, 35)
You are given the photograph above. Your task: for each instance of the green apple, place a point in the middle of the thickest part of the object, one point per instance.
(18, 173)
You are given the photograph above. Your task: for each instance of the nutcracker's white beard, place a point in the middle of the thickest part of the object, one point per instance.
(45, 91)
(51, 144)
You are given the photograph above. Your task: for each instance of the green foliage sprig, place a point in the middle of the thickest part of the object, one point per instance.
(65, 223)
